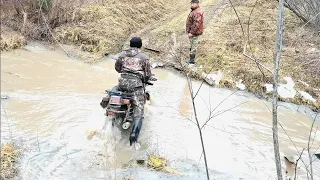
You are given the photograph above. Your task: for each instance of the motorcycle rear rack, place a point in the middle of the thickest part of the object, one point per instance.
(122, 112)
(117, 111)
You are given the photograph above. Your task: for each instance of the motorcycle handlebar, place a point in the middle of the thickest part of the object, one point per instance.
(153, 79)
(149, 83)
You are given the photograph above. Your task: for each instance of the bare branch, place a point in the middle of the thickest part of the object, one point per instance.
(222, 130)
(205, 103)
(248, 28)
(219, 113)
(235, 11)
(296, 40)
(245, 46)
(259, 65)
(204, 79)
(315, 152)
(310, 157)
(255, 60)
(203, 82)
(307, 167)
(290, 140)
(210, 100)
(296, 165)
(197, 121)
(314, 137)
(49, 29)
(198, 125)
(223, 101)
(217, 107)
(177, 110)
(295, 10)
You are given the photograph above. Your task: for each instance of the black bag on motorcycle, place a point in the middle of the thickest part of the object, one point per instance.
(104, 102)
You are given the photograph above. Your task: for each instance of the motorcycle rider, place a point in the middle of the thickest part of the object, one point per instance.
(135, 69)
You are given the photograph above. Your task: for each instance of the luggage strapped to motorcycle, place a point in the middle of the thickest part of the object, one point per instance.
(136, 75)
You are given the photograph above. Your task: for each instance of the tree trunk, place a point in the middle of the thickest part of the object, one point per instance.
(199, 128)
(25, 20)
(277, 57)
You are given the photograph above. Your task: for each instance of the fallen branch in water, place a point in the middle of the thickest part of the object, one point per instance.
(15, 74)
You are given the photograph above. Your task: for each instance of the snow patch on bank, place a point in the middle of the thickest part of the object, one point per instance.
(284, 90)
(307, 96)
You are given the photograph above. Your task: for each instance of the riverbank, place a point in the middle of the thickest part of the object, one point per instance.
(221, 48)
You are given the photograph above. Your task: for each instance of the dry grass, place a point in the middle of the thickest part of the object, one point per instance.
(127, 178)
(157, 162)
(9, 156)
(10, 39)
(223, 37)
(97, 26)
(91, 133)
(104, 28)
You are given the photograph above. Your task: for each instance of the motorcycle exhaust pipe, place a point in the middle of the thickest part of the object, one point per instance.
(126, 125)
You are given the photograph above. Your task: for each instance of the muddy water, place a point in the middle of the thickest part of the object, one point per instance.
(53, 106)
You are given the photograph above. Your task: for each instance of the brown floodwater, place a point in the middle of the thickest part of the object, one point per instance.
(53, 104)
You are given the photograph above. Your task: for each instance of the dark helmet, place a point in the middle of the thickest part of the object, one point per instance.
(195, 1)
(136, 42)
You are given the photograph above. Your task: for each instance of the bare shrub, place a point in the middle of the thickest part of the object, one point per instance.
(9, 157)
(306, 10)
(31, 16)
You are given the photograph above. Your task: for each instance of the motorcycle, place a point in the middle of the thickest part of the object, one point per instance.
(118, 105)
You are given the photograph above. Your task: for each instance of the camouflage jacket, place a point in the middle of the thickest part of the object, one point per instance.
(194, 23)
(135, 62)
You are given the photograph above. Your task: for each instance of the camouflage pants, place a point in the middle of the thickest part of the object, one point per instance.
(194, 43)
(133, 86)
(138, 104)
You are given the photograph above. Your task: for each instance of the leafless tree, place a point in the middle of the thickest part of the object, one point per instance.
(277, 58)
(177, 54)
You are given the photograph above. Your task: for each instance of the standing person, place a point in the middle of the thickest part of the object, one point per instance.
(135, 70)
(194, 28)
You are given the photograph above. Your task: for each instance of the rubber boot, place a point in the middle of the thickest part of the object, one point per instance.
(137, 123)
(191, 60)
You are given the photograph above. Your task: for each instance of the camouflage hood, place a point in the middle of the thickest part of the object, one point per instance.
(132, 52)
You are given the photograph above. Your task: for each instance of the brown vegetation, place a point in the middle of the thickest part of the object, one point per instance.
(96, 26)
(10, 39)
(9, 156)
(224, 37)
